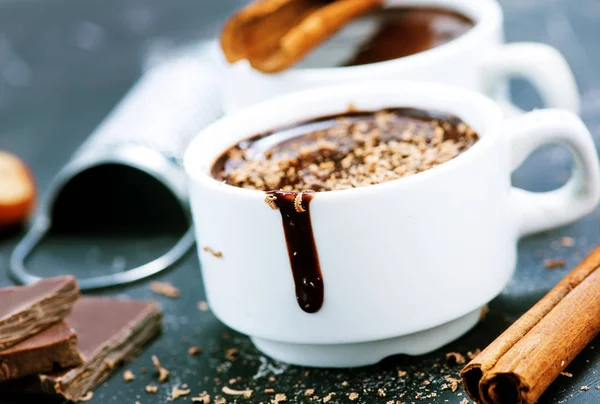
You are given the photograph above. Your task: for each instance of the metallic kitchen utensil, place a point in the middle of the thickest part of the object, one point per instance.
(148, 131)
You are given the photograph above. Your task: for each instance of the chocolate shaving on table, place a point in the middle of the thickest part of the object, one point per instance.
(27, 310)
(52, 349)
(522, 362)
(165, 289)
(555, 263)
(163, 373)
(109, 330)
(247, 393)
(275, 34)
(177, 392)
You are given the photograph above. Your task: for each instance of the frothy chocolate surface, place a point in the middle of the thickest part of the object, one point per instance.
(346, 151)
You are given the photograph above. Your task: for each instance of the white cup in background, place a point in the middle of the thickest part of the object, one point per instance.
(478, 60)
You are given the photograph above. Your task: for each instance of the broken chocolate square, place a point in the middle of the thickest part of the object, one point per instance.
(53, 349)
(27, 310)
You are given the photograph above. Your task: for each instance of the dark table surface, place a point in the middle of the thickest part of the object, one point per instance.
(65, 63)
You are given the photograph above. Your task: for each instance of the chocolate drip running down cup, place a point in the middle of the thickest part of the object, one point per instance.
(292, 165)
(301, 246)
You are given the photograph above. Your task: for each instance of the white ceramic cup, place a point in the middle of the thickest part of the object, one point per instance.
(478, 61)
(407, 265)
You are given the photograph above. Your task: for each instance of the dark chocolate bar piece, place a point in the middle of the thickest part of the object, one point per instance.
(52, 349)
(27, 310)
(108, 331)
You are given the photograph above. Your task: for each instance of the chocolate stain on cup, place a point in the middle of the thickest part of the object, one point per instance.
(292, 165)
(301, 246)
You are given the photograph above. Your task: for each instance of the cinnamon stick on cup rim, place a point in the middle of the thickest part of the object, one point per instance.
(275, 34)
(522, 362)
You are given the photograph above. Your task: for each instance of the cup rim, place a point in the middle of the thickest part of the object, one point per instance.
(198, 169)
(489, 18)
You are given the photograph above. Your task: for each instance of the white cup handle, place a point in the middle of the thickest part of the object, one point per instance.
(542, 65)
(538, 211)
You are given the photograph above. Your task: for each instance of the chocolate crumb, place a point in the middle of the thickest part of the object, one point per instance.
(178, 392)
(87, 397)
(567, 374)
(163, 374)
(279, 398)
(245, 393)
(194, 351)
(597, 387)
(202, 305)
(419, 396)
(272, 378)
(426, 382)
(298, 203)
(484, 312)
(165, 289)
(567, 242)
(585, 388)
(555, 263)
(401, 373)
(309, 392)
(216, 254)
(203, 398)
(231, 354)
(328, 397)
(269, 391)
(381, 392)
(452, 382)
(472, 355)
(352, 396)
(270, 201)
(128, 376)
(456, 357)
(151, 389)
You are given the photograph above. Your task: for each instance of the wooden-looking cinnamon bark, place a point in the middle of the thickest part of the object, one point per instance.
(275, 34)
(522, 362)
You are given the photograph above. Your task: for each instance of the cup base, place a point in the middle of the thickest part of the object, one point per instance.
(367, 353)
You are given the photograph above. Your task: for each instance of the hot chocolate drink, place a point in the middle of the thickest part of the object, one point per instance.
(387, 34)
(333, 153)
(409, 30)
(346, 151)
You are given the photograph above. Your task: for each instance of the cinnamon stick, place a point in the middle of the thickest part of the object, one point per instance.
(275, 34)
(522, 362)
